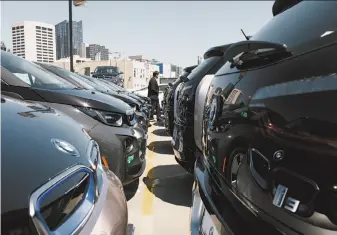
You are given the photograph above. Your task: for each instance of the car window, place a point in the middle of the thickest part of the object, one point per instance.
(308, 21)
(69, 75)
(107, 70)
(32, 74)
(302, 28)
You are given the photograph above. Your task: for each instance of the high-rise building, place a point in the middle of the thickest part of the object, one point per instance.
(62, 38)
(83, 50)
(97, 52)
(34, 41)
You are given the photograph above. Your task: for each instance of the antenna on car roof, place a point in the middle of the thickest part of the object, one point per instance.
(247, 37)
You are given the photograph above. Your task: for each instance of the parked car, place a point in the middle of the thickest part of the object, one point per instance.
(168, 100)
(109, 72)
(143, 92)
(109, 121)
(53, 181)
(146, 101)
(79, 81)
(184, 146)
(269, 165)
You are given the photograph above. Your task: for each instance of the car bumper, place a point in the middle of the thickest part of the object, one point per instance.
(235, 214)
(183, 145)
(112, 141)
(110, 215)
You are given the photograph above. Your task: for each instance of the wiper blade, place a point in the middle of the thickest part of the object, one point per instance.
(249, 60)
(259, 49)
(78, 88)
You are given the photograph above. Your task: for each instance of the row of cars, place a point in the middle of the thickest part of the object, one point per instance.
(70, 144)
(263, 115)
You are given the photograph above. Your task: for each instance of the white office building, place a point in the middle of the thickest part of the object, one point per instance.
(34, 41)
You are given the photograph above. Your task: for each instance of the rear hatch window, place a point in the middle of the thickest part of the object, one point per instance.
(310, 22)
(302, 28)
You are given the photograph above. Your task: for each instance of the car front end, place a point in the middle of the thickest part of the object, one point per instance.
(169, 100)
(109, 121)
(64, 187)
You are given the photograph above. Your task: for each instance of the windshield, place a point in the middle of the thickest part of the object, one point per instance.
(32, 74)
(116, 86)
(96, 83)
(107, 83)
(69, 76)
(308, 21)
(112, 69)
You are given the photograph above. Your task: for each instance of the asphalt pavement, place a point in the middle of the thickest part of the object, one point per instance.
(160, 203)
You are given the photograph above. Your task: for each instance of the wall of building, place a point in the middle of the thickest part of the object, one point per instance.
(136, 74)
(164, 70)
(38, 40)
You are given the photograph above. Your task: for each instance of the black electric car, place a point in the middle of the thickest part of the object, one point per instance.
(184, 146)
(269, 165)
(168, 104)
(146, 101)
(109, 121)
(52, 178)
(79, 81)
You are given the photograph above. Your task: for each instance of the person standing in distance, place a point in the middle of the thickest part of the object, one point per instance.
(153, 94)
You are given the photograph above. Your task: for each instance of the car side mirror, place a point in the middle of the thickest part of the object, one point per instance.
(170, 84)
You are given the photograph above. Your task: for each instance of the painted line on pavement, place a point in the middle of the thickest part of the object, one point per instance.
(148, 196)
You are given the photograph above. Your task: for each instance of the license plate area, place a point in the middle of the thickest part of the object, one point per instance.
(298, 187)
(207, 225)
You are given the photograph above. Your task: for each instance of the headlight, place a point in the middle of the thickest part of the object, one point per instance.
(108, 118)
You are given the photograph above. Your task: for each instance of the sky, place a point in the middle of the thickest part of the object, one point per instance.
(170, 31)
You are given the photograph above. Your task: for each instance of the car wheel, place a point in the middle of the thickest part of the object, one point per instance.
(233, 165)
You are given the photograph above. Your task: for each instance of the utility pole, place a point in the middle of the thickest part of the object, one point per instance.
(71, 35)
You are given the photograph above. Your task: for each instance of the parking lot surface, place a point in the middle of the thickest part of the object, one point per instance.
(161, 202)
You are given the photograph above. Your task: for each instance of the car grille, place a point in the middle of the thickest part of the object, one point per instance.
(260, 167)
(66, 201)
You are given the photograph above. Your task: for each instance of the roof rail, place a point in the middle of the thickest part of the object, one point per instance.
(190, 68)
(216, 51)
(280, 6)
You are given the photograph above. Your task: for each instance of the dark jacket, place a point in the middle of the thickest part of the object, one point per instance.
(153, 88)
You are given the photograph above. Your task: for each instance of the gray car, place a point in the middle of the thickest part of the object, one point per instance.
(109, 121)
(53, 178)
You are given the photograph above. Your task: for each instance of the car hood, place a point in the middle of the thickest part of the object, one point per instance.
(29, 158)
(134, 96)
(124, 97)
(84, 98)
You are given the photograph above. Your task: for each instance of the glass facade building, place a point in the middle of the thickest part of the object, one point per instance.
(62, 38)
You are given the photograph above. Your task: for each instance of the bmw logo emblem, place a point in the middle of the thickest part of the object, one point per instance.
(278, 156)
(213, 111)
(65, 147)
